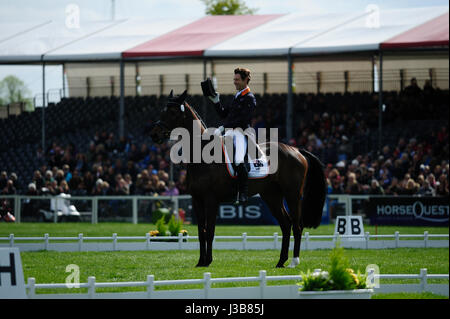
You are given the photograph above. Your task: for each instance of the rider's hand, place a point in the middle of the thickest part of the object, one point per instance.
(214, 99)
(219, 131)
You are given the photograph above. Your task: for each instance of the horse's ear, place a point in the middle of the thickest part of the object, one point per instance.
(171, 94)
(182, 97)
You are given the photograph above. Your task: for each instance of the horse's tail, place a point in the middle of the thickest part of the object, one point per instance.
(314, 191)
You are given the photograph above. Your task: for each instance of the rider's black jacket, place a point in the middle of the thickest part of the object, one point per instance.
(239, 113)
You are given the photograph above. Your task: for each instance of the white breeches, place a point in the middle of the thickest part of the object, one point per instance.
(240, 144)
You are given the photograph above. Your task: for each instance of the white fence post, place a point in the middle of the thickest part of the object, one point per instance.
(45, 241)
(275, 240)
(135, 210)
(150, 285)
(31, 287)
(147, 241)
(423, 279)
(11, 240)
(306, 240)
(80, 241)
(207, 284)
(262, 282)
(91, 288)
(244, 241)
(397, 238)
(425, 238)
(180, 241)
(94, 217)
(366, 235)
(114, 241)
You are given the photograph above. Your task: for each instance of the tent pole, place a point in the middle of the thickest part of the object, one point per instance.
(63, 80)
(121, 101)
(380, 103)
(289, 99)
(43, 107)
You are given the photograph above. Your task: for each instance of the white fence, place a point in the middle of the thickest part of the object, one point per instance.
(93, 212)
(242, 242)
(262, 291)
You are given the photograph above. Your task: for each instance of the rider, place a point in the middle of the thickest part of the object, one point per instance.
(238, 115)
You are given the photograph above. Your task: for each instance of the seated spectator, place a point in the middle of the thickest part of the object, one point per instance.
(38, 180)
(353, 186)
(64, 187)
(9, 189)
(411, 188)
(172, 190)
(375, 188)
(98, 189)
(394, 188)
(426, 190)
(121, 188)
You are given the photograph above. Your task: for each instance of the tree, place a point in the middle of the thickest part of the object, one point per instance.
(12, 90)
(227, 7)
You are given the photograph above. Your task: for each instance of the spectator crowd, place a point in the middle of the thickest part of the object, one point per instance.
(413, 165)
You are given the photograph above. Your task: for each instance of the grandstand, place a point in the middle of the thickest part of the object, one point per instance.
(332, 107)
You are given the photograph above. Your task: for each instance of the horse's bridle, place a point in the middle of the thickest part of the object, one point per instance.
(163, 125)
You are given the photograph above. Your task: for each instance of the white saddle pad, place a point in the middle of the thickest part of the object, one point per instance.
(259, 168)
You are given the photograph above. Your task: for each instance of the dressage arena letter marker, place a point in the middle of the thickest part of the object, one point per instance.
(12, 283)
(350, 225)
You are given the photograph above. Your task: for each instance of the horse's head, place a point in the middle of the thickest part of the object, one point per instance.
(173, 115)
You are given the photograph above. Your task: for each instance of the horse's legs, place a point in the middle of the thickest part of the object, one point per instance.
(211, 207)
(295, 209)
(275, 203)
(199, 211)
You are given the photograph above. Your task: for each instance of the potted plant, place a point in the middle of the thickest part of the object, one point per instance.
(340, 282)
(172, 228)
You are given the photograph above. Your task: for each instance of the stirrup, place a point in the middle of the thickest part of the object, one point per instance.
(241, 198)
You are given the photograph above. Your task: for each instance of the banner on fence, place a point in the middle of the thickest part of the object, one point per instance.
(254, 212)
(12, 283)
(419, 211)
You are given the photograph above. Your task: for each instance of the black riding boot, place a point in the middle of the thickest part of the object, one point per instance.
(242, 176)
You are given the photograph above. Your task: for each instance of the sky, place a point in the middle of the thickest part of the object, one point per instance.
(94, 10)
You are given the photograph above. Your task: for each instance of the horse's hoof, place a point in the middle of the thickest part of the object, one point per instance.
(201, 264)
(280, 265)
(294, 262)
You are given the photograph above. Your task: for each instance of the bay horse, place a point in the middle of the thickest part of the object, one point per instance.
(299, 179)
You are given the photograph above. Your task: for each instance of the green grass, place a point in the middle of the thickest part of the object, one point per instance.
(128, 229)
(135, 266)
(408, 295)
(49, 266)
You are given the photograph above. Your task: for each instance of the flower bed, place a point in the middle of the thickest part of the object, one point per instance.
(341, 282)
(172, 228)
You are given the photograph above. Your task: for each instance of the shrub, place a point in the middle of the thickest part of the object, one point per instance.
(174, 226)
(161, 212)
(161, 227)
(340, 276)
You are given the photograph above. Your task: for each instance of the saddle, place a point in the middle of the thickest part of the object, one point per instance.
(257, 168)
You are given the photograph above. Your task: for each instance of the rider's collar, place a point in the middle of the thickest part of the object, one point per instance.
(243, 91)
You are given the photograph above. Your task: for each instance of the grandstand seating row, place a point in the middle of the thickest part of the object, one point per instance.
(76, 120)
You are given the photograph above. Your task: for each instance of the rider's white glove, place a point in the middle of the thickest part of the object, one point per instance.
(219, 131)
(214, 99)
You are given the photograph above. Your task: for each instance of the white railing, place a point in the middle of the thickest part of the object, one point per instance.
(262, 291)
(243, 242)
(18, 199)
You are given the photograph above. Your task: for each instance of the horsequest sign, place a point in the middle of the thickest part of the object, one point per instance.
(416, 211)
